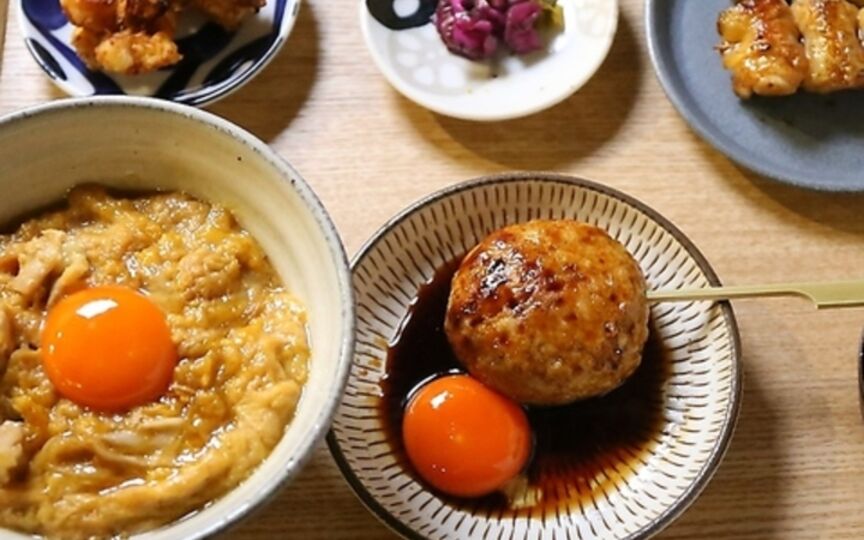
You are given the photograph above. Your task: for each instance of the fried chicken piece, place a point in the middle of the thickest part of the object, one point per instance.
(137, 36)
(94, 15)
(836, 57)
(85, 42)
(142, 13)
(126, 52)
(124, 36)
(104, 16)
(228, 13)
(132, 53)
(140, 40)
(761, 47)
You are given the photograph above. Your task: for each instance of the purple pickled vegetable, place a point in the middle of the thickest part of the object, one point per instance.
(520, 31)
(475, 28)
(470, 28)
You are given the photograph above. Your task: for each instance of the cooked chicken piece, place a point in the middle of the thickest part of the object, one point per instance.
(228, 13)
(7, 342)
(94, 15)
(11, 452)
(124, 36)
(143, 13)
(130, 51)
(7, 338)
(85, 42)
(761, 47)
(38, 262)
(108, 16)
(8, 260)
(72, 278)
(836, 57)
(137, 36)
(207, 272)
(38, 259)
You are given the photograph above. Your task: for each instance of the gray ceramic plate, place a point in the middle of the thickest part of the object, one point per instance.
(806, 140)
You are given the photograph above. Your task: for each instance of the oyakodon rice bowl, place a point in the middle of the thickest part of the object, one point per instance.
(69, 471)
(239, 332)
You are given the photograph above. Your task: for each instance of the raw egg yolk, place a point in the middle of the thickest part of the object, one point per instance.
(108, 348)
(463, 438)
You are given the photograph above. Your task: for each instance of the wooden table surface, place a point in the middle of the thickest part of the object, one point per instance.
(795, 468)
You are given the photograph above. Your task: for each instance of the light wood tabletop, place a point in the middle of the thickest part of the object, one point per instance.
(795, 468)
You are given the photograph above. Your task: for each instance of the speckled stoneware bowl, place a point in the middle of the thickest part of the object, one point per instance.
(633, 494)
(407, 49)
(215, 62)
(138, 143)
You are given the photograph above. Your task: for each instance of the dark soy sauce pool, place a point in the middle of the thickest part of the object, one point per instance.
(580, 450)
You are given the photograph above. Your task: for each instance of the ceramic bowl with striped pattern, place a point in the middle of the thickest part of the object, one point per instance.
(215, 62)
(632, 494)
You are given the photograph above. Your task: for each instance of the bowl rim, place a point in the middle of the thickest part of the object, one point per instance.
(551, 100)
(730, 421)
(286, 27)
(337, 253)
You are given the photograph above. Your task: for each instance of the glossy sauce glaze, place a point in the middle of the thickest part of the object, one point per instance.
(581, 450)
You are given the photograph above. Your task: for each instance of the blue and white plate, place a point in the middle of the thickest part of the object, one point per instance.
(215, 62)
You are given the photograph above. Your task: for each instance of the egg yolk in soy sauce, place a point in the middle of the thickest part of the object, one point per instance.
(108, 348)
(464, 438)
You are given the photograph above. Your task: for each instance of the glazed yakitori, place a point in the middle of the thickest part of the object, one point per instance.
(774, 48)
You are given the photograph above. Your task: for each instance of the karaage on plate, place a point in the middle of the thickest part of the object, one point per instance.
(137, 36)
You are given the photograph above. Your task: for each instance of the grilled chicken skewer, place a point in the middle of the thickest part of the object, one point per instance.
(773, 49)
(762, 48)
(831, 41)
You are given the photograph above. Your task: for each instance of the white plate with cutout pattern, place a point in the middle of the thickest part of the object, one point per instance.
(406, 47)
(634, 494)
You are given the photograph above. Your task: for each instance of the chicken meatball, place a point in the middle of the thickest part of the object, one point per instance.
(548, 312)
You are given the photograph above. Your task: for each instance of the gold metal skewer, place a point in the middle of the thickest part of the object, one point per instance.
(824, 295)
